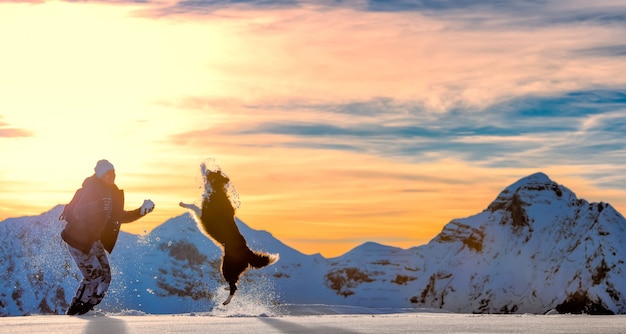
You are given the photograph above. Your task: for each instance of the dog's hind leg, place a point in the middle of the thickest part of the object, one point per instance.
(227, 301)
(232, 268)
(233, 289)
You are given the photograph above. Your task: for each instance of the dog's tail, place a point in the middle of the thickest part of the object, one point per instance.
(260, 260)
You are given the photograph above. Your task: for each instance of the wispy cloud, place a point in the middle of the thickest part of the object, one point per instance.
(6, 131)
(616, 50)
(577, 128)
(13, 133)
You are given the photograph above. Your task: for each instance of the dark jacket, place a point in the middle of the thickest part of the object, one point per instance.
(94, 219)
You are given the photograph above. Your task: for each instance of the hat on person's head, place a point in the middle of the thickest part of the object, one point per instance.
(102, 167)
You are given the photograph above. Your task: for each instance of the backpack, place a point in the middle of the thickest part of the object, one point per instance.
(68, 213)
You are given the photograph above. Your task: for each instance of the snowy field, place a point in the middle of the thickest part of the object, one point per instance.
(312, 319)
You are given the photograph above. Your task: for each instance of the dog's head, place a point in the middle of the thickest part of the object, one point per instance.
(218, 183)
(216, 179)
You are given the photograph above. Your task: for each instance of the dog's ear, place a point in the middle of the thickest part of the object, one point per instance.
(217, 178)
(223, 177)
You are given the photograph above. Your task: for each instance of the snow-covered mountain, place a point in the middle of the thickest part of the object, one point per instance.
(536, 247)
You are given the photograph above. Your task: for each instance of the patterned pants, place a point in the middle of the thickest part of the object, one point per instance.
(96, 274)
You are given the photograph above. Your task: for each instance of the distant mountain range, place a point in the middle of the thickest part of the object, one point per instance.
(535, 248)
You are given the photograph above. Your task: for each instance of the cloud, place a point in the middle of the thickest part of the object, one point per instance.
(14, 133)
(475, 12)
(210, 7)
(449, 54)
(605, 13)
(579, 127)
(512, 13)
(253, 3)
(616, 50)
(433, 5)
(9, 132)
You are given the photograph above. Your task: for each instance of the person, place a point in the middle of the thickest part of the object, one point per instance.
(93, 223)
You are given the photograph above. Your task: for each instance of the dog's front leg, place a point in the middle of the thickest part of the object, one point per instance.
(193, 208)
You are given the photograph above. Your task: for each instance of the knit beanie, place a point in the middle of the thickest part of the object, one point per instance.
(102, 167)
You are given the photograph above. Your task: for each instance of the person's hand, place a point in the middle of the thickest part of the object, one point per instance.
(147, 207)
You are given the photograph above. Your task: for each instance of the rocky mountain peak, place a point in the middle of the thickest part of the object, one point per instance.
(532, 186)
(536, 179)
(537, 190)
(547, 248)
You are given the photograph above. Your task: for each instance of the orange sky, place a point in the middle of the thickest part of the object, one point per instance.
(337, 126)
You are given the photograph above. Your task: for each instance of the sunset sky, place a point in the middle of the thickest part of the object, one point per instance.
(338, 122)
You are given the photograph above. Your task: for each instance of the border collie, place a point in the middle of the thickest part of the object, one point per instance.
(217, 220)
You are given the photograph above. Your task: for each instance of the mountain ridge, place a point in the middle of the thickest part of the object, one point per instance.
(536, 247)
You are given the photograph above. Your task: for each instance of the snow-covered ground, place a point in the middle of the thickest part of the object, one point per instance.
(312, 319)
